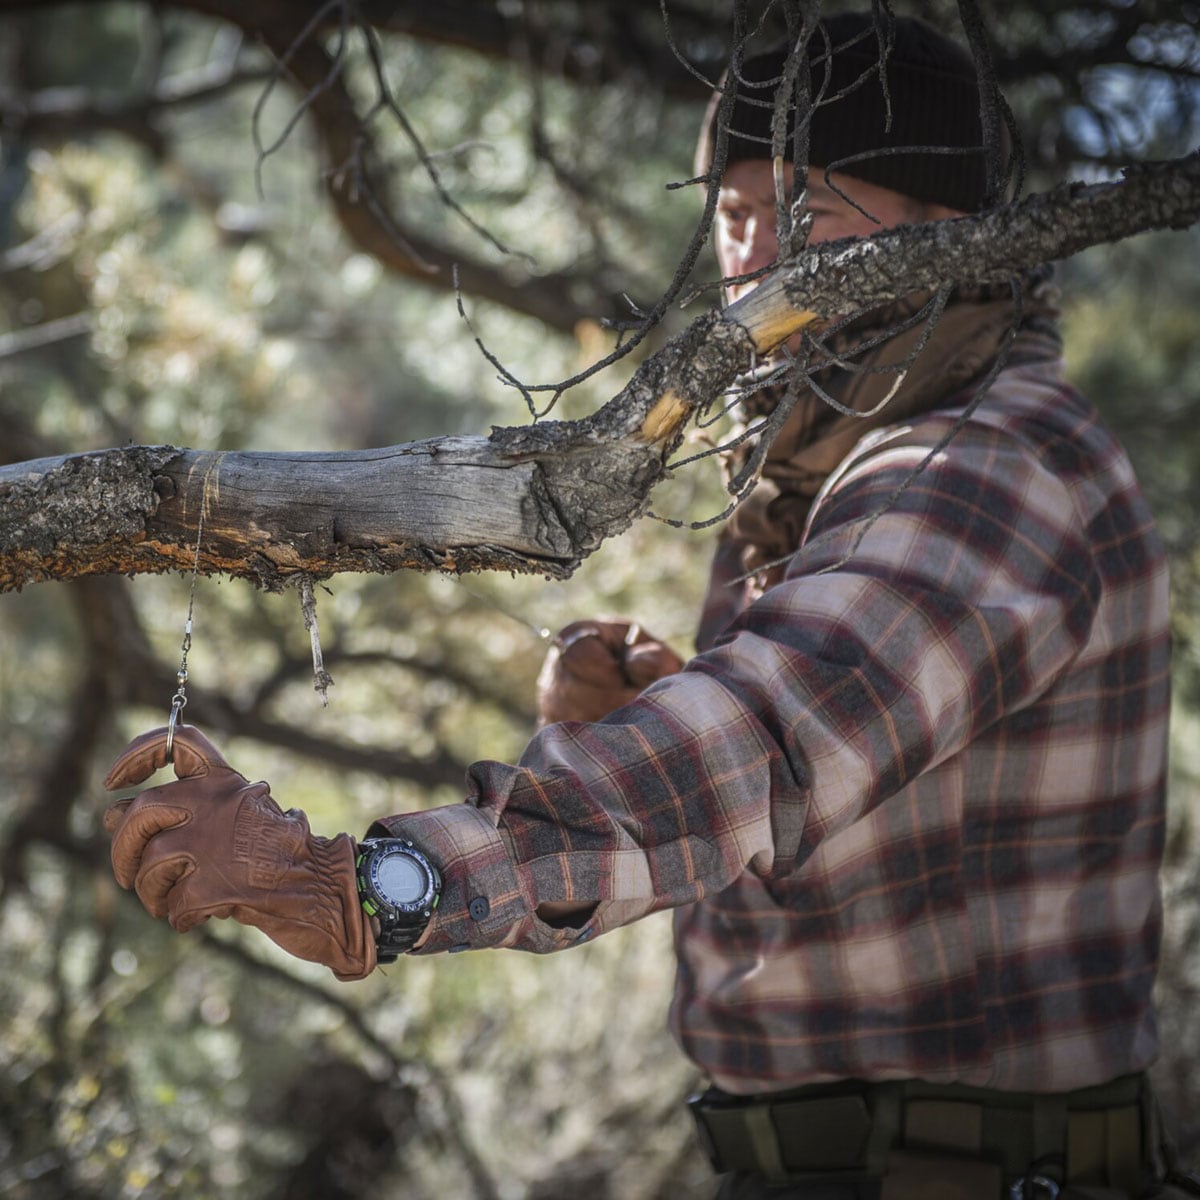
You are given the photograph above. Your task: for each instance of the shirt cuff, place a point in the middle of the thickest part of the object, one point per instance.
(482, 902)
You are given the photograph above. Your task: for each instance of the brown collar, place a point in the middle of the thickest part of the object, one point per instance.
(881, 368)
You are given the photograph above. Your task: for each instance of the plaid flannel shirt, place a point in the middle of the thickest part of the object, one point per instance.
(909, 806)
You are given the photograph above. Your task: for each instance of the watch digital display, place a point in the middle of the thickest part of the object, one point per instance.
(400, 879)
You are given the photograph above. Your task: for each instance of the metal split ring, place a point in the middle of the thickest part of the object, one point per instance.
(177, 704)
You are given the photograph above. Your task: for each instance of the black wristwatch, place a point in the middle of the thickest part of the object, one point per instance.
(400, 888)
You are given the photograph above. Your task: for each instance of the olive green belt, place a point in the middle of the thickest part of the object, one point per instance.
(1107, 1135)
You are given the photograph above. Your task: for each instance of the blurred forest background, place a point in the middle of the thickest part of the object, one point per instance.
(161, 281)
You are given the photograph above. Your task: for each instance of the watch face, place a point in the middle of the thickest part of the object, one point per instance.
(400, 878)
(395, 876)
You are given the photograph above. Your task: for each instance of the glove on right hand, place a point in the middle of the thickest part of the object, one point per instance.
(212, 844)
(595, 667)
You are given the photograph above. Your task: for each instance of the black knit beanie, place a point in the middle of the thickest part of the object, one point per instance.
(931, 83)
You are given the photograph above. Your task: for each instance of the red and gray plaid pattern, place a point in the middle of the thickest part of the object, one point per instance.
(909, 806)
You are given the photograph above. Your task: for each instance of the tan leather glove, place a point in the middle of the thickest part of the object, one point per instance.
(596, 666)
(215, 845)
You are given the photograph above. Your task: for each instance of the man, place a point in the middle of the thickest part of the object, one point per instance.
(908, 799)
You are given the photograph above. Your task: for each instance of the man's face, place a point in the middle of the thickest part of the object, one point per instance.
(745, 226)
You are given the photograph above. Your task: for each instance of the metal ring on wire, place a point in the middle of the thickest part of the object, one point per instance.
(177, 705)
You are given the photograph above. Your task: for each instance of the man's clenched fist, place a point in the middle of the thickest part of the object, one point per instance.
(212, 844)
(595, 667)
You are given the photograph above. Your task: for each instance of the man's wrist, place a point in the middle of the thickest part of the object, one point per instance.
(483, 902)
(398, 889)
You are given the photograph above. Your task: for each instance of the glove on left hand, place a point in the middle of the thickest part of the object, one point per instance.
(215, 845)
(596, 666)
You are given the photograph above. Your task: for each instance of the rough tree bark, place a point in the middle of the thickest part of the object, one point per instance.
(538, 498)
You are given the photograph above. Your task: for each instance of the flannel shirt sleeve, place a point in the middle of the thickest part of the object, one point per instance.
(891, 642)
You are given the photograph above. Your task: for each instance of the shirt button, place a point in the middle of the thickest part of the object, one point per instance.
(479, 908)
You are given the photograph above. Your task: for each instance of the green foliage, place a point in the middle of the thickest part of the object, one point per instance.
(1131, 339)
(1131, 318)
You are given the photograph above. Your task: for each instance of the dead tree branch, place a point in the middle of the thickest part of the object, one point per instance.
(537, 498)
(992, 247)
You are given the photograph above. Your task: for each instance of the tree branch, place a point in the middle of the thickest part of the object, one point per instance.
(538, 498)
(65, 112)
(993, 246)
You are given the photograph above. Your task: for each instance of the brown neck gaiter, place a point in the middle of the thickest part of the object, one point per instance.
(861, 368)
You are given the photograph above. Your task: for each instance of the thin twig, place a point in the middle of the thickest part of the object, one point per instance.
(322, 680)
(690, 255)
(309, 98)
(387, 99)
(993, 108)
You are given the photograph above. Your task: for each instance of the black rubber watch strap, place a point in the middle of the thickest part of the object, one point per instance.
(392, 943)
